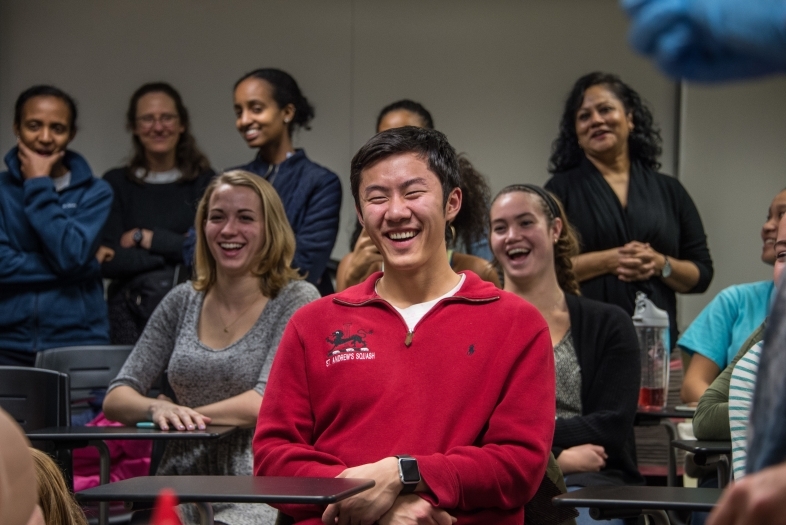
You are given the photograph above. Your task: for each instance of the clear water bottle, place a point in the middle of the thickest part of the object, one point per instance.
(652, 328)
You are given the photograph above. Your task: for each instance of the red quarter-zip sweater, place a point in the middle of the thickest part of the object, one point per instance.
(471, 397)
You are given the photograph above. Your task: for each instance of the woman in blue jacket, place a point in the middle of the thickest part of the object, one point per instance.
(269, 107)
(52, 211)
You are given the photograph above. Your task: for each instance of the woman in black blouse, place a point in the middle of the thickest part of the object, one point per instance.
(154, 205)
(639, 229)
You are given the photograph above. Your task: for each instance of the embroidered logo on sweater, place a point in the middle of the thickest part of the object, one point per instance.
(348, 346)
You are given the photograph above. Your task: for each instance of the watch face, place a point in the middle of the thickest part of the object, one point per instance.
(666, 269)
(410, 472)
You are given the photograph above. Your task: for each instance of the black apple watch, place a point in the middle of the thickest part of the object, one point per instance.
(408, 472)
(138, 237)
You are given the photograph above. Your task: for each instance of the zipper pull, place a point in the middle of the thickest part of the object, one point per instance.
(408, 339)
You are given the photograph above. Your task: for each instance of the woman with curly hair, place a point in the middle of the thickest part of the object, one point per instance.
(596, 354)
(639, 229)
(466, 238)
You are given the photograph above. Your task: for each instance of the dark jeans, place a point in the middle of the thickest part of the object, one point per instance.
(709, 481)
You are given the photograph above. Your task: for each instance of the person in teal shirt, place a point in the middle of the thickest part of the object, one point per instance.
(715, 336)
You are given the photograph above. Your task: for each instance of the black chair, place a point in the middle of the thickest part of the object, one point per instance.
(35, 398)
(38, 399)
(90, 368)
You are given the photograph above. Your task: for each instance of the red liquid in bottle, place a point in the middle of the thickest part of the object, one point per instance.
(652, 397)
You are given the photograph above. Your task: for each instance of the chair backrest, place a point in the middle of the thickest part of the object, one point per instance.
(35, 398)
(90, 368)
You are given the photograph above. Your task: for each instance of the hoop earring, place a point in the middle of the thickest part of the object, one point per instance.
(452, 234)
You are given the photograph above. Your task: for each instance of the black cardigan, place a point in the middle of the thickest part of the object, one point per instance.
(607, 349)
(659, 212)
(166, 209)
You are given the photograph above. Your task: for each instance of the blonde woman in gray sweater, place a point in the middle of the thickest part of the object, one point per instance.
(216, 336)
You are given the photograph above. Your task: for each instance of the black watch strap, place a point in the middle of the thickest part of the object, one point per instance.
(408, 472)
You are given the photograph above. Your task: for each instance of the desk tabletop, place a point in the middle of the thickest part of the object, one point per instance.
(230, 489)
(107, 433)
(637, 498)
(698, 446)
(661, 413)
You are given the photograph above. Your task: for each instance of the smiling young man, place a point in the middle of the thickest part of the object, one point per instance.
(437, 385)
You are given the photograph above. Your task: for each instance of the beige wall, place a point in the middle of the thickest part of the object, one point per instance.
(494, 75)
(733, 162)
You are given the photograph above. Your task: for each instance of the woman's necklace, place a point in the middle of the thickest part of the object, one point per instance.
(244, 312)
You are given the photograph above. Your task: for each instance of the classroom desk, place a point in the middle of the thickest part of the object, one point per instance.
(630, 501)
(643, 416)
(78, 437)
(709, 453)
(204, 490)
(664, 417)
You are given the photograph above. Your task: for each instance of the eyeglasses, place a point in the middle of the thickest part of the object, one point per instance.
(168, 120)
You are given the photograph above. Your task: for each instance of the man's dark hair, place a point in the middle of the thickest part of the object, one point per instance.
(429, 144)
(45, 91)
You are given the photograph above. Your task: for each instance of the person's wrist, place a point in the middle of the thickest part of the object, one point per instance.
(137, 237)
(151, 409)
(147, 239)
(392, 479)
(612, 260)
(565, 461)
(665, 268)
(34, 175)
(155, 405)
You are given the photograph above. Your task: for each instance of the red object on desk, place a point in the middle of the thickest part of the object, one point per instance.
(652, 398)
(164, 512)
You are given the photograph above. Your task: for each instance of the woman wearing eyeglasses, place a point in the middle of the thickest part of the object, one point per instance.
(156, 195)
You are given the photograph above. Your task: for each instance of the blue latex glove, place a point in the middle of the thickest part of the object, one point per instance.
(710, 40)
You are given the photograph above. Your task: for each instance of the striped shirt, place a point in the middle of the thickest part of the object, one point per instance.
(741, 387)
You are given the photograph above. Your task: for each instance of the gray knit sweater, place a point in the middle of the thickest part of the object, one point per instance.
(200, 375)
